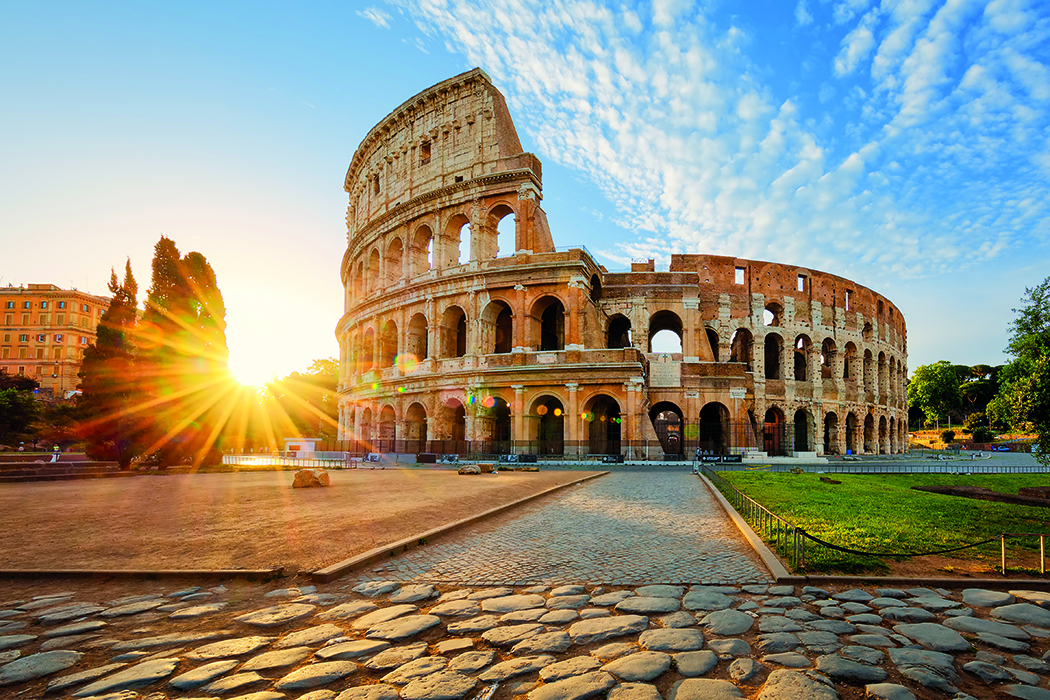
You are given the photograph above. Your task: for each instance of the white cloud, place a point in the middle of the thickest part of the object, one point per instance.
(375, 16)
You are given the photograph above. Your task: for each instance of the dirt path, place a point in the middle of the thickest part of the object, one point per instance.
(246, 520)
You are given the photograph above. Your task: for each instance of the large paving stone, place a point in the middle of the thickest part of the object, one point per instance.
(383, 615)
(672, 640)
(581, 687)
(1023, 614)
(976, 625)
(138, 676)
(443, 685)
(510, 603)
(785, 684)
(317, 674)
(602, 628)
(643, 666)
(727, 623)
(202, 674)
(983, 598)
(515, 667)
(703, 689)
(933, 636)
(403, 627)
(277, 615)
(351, 650)
(37, 666)
(643, 605)
(229, 647)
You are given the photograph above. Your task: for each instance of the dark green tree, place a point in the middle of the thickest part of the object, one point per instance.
(184, 360)
(111, 402)
(935, 389)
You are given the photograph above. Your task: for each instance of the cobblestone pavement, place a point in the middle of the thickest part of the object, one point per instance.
(384, 640)
(634, 526)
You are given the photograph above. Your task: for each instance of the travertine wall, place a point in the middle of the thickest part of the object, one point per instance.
(531, 345)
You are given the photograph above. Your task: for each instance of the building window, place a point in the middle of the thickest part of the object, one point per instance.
(61, 304)
(739, 278)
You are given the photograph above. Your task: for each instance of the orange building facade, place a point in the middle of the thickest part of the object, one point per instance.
(45, 331)
(464, 334)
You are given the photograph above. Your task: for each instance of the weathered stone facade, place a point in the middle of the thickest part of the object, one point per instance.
(543, 350)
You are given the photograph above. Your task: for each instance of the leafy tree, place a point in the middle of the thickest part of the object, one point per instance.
(115, 420)
(1024, 399)
(935, 389)
(183, 358)
(18, 412)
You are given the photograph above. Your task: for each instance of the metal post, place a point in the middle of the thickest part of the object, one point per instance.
(1002, 545)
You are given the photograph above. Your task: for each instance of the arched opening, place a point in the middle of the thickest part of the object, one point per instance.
(802, 347)
(773, 352)
(602, 415)
(712, 340)
(506, 225)
(849, 370)
(422, 251)
(388, 344)
(851, 433)
(713, 434)
(665, 332)
(869, 435)
(802, 443)
(495, 420)
(394, 257)
(883, 436)
(773, 315)
(669, 425)
(741, 348)
(453, 332)
(372, 273)
(550, 433)
(596, 288)
(774, 440)
(548, 324)
(831, 434)
(387, 430)
(619, 332)
(497, 328)
(827, 358)
(416, 428)
(416, 338)
(368, 350)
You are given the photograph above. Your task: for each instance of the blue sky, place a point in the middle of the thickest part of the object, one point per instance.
(905, 145)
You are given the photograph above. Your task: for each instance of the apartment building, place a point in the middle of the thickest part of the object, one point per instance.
(45, 331)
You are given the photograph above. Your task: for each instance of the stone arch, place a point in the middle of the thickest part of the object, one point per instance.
(619, 333)
(549, 413)
(803, 432)
(547, 323)
(669, 422)
(828, 352)
(774, 440)
(416, 427)
(803, 347)
(452, 332)
(831, 433)
(713, 434)
(666, 322)
(421, 251)
(773, 314)
(712, 340)
(416, 340)
(395, 252)
(388, 344)
(504, 231)
(773, 352)
(741, 348)
(497, 328)
(604, 423)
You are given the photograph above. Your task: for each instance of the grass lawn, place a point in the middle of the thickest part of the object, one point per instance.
(882, 513)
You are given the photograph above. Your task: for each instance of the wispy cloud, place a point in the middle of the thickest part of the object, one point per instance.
(375, 16)
(935, 156)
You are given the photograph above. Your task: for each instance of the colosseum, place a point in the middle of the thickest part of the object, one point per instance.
(467, 331)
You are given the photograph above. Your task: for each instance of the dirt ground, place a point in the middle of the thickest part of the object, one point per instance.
(240, 521)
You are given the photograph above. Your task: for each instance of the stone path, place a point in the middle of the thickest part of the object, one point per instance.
(384, 640)
(631, 527)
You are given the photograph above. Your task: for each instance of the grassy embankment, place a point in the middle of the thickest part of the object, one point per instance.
(882, 513)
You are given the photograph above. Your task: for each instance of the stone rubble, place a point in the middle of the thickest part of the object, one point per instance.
(418, 641)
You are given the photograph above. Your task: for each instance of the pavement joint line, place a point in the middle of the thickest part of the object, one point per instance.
(769, 559)
(334, 571)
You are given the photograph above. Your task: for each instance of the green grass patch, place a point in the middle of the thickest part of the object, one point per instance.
(882, 513)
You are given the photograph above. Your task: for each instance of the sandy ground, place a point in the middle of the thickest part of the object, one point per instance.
(242, 521)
